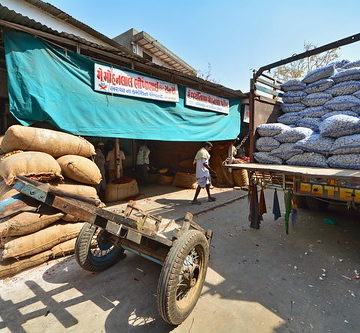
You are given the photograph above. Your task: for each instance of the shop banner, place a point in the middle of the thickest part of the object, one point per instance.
(116, 81)
(205, 101)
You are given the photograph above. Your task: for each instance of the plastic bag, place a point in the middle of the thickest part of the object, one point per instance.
(293, 96)
(352, 64)
(347, 75)
(349, 144)
(271, 129)
(266, 158)
(346, 161)
(293, 85)
(341, 103)
(286, 151)
(316, 99)
(314, 112)
(320, 73)
(319, 86)
(266, 143)
(344, 88)
(315, 143)
(335, 113)
(340, 125)
(295, 107)
(293, 134)
(312, 123)
(289, 118)
(308, 159)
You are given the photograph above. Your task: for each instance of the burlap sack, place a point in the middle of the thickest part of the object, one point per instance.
(185, 180)
(35, 165)
(1, 151)
(41, 240)
(64, 248)
(12, 266)
(4, 240)
(28, 222)
(240, 177)
(70, 218)
(80, 169)
(48, 141)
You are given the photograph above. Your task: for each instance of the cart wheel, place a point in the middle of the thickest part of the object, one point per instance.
(182, 276)
(94, 251)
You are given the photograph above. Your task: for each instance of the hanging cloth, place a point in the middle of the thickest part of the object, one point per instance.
(294, 211)
(288, 204)
(262, 203)
(254, 216)
(276, 206)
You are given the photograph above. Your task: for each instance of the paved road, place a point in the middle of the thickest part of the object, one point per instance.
(258, 281)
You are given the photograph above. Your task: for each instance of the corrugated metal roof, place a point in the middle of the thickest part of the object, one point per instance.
(58, 13)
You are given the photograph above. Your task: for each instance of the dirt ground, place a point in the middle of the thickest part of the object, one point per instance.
(258, 281)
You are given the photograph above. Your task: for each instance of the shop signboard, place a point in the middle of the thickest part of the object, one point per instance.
(116, 81)
(206, 101)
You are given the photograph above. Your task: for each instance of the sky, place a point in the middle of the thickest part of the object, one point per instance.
(234, 37)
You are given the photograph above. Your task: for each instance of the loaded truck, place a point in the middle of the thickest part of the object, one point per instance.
(313, 187)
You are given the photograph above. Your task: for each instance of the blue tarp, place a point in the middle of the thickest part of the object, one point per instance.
(50, 84)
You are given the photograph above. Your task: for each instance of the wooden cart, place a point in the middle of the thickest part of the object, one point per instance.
(181, 249)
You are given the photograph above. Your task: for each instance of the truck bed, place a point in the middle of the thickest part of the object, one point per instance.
(344, 174)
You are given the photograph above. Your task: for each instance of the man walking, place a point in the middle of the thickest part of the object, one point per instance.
(203, 170)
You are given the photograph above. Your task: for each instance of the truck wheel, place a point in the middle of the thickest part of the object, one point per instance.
(316, 204)
(94, 250)
(182, 277)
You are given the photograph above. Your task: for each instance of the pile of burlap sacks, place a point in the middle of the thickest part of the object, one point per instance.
(29, 238)
(320, 124)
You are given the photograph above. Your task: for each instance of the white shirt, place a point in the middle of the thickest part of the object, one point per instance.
(110, 158)
(201, 170)
(143, 155)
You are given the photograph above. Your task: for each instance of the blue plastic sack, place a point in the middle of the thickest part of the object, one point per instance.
(319, 86)
(347, 75)
(340, 125)
(346, 161)
(266, 143)
(336, 113)
(293, 85)
(308, 159)
(289, 118)
(320, 73)
(341, 103)
(312, 123)
(293, 96)
(266, 158)
(316, 99)
(271, 129)
(294, 107)
(349, 144)
(286, 151)
(315, 143)
(344, 88)
(293, 134)
(314, 112)
(352, 64)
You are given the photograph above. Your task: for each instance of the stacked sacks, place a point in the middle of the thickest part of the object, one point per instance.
(327, 102)
(32, 237)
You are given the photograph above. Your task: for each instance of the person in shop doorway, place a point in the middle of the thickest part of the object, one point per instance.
(113, 161)
(142, 164)
(203, 172)
(100, 162)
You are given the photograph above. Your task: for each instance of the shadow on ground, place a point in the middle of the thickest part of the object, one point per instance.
(273, 279)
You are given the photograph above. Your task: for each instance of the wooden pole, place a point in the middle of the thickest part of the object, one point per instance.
(117, 158)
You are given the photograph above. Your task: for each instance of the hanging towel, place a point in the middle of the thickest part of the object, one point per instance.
(254, 216)
(276, 206)
(262, 203)
(287, 198)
